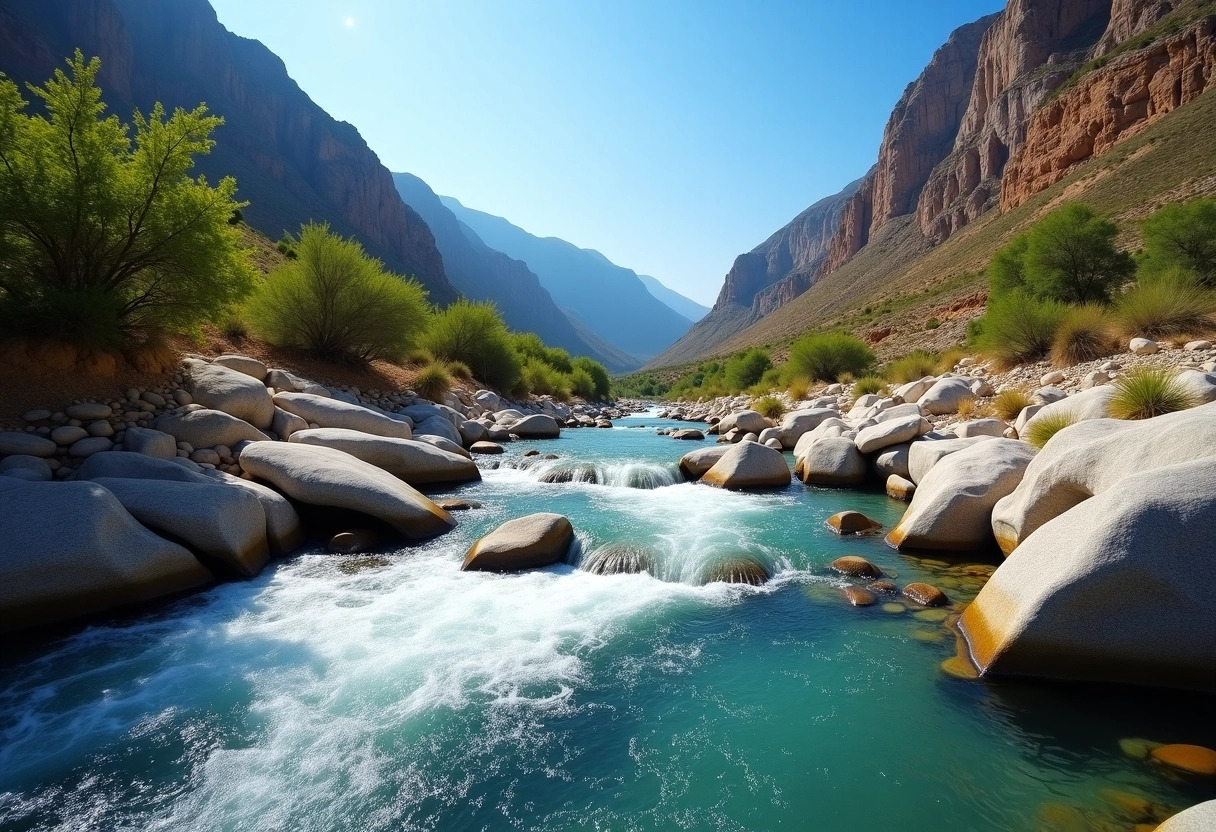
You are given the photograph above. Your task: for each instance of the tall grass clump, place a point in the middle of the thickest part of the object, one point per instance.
(912, 367)
(474, 334)
(770, 407)
(828, 356)
(1041, 429)
(1084, 333)
(1145, 392)
(337, 303)
(798, 388)
(1169, 304)
(433, 382)
(542, 379)
(1009, 403)
(1018, 329)
(460, 370)
(867, 385)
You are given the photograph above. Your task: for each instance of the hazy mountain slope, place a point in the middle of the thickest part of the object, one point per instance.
(608, 298)
(482, 273)
(292, 161)
(685, 307)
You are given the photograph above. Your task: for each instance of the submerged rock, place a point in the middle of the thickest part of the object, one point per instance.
(926, 595)
(618, 559)
(1193, 759)
(737, 570)
(851, 522)
(524, 543)
(859, 597)
(353, 541)
(857, 567)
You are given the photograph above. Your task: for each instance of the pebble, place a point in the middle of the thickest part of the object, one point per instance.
(88, 411)
(154, 399)
(67, 435)
(205, 456)
(36, 415)
(88, 447)
(182, 397)
(100, 428)
(1052, 378)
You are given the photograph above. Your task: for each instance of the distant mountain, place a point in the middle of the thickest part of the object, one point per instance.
(609, 299)
(482, 273)
(291, 159)
(685, 307)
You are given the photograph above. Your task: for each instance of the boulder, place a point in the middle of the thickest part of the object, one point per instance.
(285, 382)
(488, 399)
(913, 390)
(217, 387)
(945, 395)
(440, 426)
(795, 423)
(694, 464)
(1200, 385)
(893, 460)
(65, 435)
(1093, 403)
(1095, 456)
(687, 434)
(856, 567)
(224, 526)
(329, 477)
(618, 559)
(833, 461)
(749, 465)
(922, 456)
(859, 596)
(207, 428)
(828, 427)
(33, 468)
(26, 444)
(980, 427)
(524, 543)
(1198, 818)
(242, 364)
(1110, 590)
(418, 463)
(1142, 346)
(927, 595)
(1051, 378)
(952, 507)
(899, 488)
(334, 413)
(485, 448)
(537, 426)
(472, 432)
(851, 522)
(83, 448)
(53, 571)
(284, 532)
(88, 411)
(747, 421)
(153, 443)
(741, 569)
(445, 444)
(284, 424)
(892, 432)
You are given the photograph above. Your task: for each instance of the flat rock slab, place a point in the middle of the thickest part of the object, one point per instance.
(208, 428)
(418, 463)
(524, 543)
(334, 413)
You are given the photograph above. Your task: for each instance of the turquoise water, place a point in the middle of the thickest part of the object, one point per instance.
(402, 694)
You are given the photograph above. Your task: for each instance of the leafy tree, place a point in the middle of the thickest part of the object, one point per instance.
(1182, 235)
(101, 233)
(1069, 256)
(338, 303)
(529, 346)
(1006, 271)
(474, 334)
(601, 384)
(746, 368)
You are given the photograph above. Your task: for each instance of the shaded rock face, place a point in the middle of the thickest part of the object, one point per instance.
(1109, 105)
(291, 159)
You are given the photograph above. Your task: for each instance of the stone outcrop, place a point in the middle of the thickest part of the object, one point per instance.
(1109, 105)
(524, 543)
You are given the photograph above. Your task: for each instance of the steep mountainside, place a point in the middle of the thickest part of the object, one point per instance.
(482, 273)
(773, 273)
(292, 161)
(609, 299)
(685, 307)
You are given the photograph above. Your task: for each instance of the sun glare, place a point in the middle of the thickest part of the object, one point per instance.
(350, 22)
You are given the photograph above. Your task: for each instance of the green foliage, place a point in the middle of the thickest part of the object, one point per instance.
(1042, 428)
(474, 334)
(601, 384)
(867, 385)
(798, 388)
(932, 323)
(826, 356)
(460, 370)
(581, 384)
(1083, 334)
(338, 303)
(1007, 404)
(433, 382)
(640, 386)
(1145, 392)
(1006, 270)
(530, 347)
(101, 233)
(1168, 304)
(542, 379)
(912, 367)
(1018, 329)
(1182, 235)
(745, 369)
(770, 407)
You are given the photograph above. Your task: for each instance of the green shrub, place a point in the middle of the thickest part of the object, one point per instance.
(1145, 392)
(460, 370)
(827, 356)
(948, 360)
(1169, 304)
(1041, 429)
(1083, 334)
(932, 323)
(581, 384)
(103, 230)
(601, 382)
(798, 389)
(867, 385)
(530, 347)
(338, 303)
(433, 382)
(1007, 404)
(1182, 235)
(541, 379)
(746, 368)
(770, 407)
(1018, 329)
(473, 333)
(912, 367)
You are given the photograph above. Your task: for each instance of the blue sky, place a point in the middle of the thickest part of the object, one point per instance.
(671, 135)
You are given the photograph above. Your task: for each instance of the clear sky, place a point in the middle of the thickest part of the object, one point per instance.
(671, 135)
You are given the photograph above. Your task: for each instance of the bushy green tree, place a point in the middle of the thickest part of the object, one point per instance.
(102, 232)
(601, 383)
(1006, 271)
(474, 333)
(746, 368)
(338, 303)
(1182, 235)
(529, 346)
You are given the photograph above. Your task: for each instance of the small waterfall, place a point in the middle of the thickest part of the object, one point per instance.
(644, 475)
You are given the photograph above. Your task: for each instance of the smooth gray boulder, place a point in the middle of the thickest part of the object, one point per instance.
(749, 465)
(747, 421)
(952, 507)
(53, 571)
(694, 464)
(913, 390)
(892, 432)
(832, 461)
(329, 477)
(1095, 456)
(25, 444)
(334, 413)
(284, 382)
(830, 426)
(472, 432)
(1093, 403)
(530, 542)
(922, 456)
(445, 444)
(32, 468)
(1198, 818)
(1200, 385)
(222, 525)
(418, 463)
(893, 460)
(795, 423)
(218, 387)
(207, 428)
(153, 443)
(88, 446)
(242, 364)
(284, 424)
(138, 466)
(1112, 590)
(537, 426)
(980, 427)
(945, 395)
(438, 426)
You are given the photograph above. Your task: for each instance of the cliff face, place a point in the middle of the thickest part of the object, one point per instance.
(291, 159)
(1108, 105)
